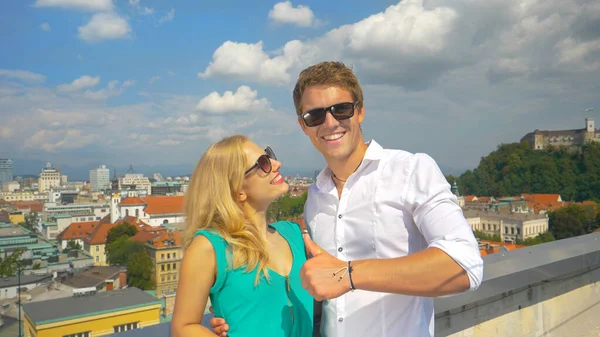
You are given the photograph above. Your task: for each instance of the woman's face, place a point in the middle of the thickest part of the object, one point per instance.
(260, 187)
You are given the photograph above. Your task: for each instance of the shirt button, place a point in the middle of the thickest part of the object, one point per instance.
(340, 249)
(339, 216)
(340, 319)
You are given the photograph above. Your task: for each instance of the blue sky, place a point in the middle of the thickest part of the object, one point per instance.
(118, 82)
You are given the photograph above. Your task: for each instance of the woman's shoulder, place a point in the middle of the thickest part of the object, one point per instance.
(288, 227)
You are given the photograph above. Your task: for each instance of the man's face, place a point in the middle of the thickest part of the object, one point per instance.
(336, 140)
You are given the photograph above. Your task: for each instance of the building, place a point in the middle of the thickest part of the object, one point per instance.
(39, 255)
(100, 314)
(49, 177)
(95, 242)
(23, 196)
(165, 249)
(100, 179)
(9, 285)
(76, 232)
(10, 186)
(166, 188)
(510, 227)
(107, 278)
(6, 170)
(540, 140)
(135, 182)
(154, 210)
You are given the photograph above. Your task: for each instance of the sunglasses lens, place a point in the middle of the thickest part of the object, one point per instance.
(339, 111)
(264, 163)
(314, 117)
(342, 110)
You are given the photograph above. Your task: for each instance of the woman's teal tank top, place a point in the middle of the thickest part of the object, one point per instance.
(278, 308)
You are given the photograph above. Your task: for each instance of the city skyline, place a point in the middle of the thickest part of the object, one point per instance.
(153, 83)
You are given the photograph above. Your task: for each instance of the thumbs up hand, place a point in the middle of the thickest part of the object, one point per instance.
(323, 276)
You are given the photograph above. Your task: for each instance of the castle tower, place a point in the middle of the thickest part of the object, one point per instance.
(589, 124)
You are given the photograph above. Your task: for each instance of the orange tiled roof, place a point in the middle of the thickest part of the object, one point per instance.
(145, 236)
(78, 230)
(98, 236)
(159, 241)
(158, 204)
(33, 205)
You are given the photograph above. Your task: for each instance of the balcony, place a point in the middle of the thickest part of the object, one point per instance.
(552, 289)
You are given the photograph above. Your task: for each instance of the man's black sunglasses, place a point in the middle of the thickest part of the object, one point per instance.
(339, 111)
(264, 161)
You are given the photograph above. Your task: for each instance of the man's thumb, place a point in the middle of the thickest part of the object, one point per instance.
(311, 247)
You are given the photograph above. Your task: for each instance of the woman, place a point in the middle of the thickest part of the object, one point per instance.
(249, 269)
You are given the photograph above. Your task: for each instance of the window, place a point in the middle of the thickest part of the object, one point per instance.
(174, 255)
(168, 267)
(126, 327)
(168, 255)
(137, 213)
(162, 256)
(80, 334)
(97, 248)
(97, 258)
(174, 266)
(162, 267)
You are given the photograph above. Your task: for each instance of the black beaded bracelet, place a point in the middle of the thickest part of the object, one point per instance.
(352, 288)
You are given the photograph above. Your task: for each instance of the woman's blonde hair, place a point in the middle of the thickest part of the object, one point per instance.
(212, 202)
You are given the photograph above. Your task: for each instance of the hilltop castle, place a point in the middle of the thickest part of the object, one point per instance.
(539, 140)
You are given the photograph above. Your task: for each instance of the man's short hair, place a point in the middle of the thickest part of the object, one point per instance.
(327, 73)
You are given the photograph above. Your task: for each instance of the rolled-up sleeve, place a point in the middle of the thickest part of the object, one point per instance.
(439, 217)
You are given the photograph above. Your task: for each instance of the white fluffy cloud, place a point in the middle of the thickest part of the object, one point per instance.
(82, 82)
(23, 75)
(111, 90)
(243, 100)
(104, 26)
(45, 27)
(413, 44)
(284, 12)
(250, 62)
(86, 5)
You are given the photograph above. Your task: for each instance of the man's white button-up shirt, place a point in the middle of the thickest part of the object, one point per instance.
(396, 203)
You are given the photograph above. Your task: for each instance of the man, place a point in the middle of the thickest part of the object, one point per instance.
(388, 233)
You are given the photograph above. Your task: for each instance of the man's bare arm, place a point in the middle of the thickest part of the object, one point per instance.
(429, 273)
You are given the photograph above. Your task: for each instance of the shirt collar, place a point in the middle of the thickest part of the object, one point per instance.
(374, 152)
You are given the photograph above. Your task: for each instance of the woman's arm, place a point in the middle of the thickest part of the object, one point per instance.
(196, 277)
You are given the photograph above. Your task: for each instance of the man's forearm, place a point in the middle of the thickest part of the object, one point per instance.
(429, 273)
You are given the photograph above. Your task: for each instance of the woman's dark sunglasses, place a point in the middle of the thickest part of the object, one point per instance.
(339, 111)
(264, 161)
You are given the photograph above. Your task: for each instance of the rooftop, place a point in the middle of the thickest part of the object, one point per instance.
(61, 309)
(11, 281)
(93, 277)
(157, 204)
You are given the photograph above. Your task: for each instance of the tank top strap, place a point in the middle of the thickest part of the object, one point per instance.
(222, 255)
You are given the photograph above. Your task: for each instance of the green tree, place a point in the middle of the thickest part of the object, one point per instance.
(119, 252)
(487, 237)
(541, 238)
(573, 220)
(140, 269)
(513, 169)
(122, 230)
(72, 244)
(10, 263)
(31, 223)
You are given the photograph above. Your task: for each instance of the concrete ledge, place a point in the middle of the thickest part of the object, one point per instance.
(527, 277)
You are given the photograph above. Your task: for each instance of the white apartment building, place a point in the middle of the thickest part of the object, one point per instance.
(135, 181)
(100, 179)
(509, 226)
(49, 177)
